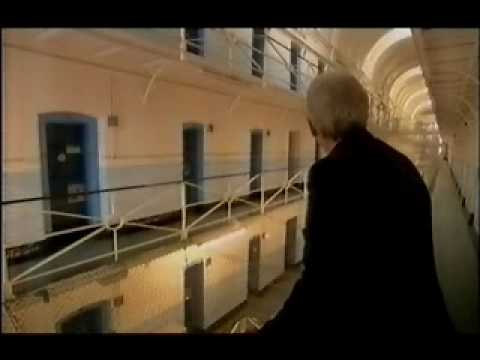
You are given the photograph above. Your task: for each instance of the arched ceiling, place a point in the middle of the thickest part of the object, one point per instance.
(400, 57)
(389, 60)
(355, 44)
(450, 61)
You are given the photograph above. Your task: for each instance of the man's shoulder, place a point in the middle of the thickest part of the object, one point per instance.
(393, 153)
(322, 169)
(320, 166)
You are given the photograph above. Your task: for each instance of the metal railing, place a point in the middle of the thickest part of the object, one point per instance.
(234, 55)
(241, 325)
(114, 223)
(173, 46)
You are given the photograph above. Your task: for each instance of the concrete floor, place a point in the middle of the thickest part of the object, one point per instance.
(261, 306)
(455, 253)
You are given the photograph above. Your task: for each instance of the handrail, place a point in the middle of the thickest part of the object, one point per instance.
(228, 198)
(285, 187)
(131, 187)
(247, 319)
(57, 254)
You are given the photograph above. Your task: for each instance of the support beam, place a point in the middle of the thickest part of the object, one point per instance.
(234, 103)
(107, 52)
(150, 84)
(232, 39)
(57, 254)
(49, 33)
(285, 62)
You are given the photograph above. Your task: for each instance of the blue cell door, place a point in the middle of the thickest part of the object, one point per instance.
(193, 160)
(71, 168)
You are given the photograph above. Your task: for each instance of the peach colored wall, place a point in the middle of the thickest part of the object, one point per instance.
(152, 286)
(146, 146)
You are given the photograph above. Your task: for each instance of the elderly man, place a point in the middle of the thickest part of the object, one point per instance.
(368, 262)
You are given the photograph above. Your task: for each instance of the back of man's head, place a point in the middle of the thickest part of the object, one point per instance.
(336, 103)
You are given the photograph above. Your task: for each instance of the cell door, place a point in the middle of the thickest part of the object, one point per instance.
(194, 297)
(193, 156)
(69, 166)
(94, 320)
(293, 153)
(294, 55)
(258, 50)
(254, 263)
(291, 242)
(256, 157)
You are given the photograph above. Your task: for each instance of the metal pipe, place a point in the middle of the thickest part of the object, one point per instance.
(183, 203)
(62, 268)
(150, 84)
(115, 244)
(201, 188)
(57, 254)
(229, 206)
(210, 223)
(251, 203)
(206, 214)
(51, 212)
(262, 195)
(287, 65)
(153, 227)
(252, 60)
(6, 285)
(286, 190)
(141, 206)
(293, 187)
(72, 230)
(183, 47)
(244, 184)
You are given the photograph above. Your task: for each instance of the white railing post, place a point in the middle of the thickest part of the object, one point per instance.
(230, 52)
(262, 195)
(7, 292)
(115, 244)
(265, 63)
(305, 188)
(286, 189)
(183, 46)
(230, 199)
(183, 204)
(58, 253)
(112, 217)
(6, 286)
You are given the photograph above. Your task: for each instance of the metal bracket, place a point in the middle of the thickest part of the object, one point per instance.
(150, 84)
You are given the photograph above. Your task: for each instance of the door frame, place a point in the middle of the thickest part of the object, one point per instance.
(93, 164)
(291, 243)
(262, 132)
(296, 138)
(196, 125)
(104, 305)
(199, 263)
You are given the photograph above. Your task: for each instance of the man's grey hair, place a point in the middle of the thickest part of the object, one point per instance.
(336, 103)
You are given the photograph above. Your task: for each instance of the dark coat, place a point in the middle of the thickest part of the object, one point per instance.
(368, 259)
